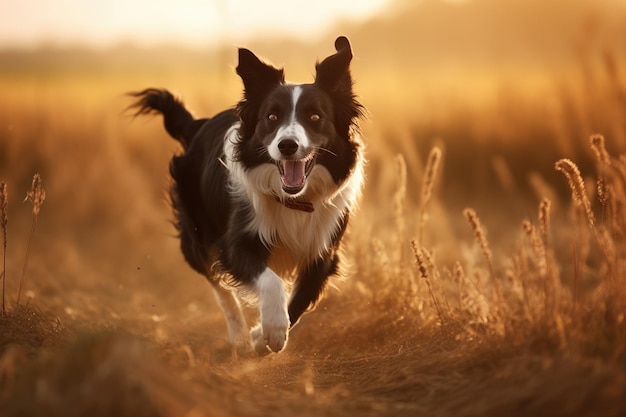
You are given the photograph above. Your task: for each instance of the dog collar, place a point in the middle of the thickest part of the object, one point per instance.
(294, 204)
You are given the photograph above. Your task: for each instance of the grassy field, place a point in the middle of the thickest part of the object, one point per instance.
(487, 267)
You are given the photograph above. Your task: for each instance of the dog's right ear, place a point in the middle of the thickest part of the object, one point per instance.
(258, 77)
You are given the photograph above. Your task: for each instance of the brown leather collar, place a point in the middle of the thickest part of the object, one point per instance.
(294, 204)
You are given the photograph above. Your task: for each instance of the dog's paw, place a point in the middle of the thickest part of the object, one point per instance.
(258, 341)
(270, 333)
(241, 348)
(275, 333)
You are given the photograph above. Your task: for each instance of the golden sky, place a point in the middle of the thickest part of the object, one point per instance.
(195, 23)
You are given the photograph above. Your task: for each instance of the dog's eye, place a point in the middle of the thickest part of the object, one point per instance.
(272, 117)
(315, 117)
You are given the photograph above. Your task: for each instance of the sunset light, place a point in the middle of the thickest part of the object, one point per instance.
(195, 23)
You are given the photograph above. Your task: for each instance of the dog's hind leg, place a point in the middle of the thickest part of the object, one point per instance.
(235, 322)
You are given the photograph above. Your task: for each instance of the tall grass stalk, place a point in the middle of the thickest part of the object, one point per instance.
(599, 149)
(577, 186)
(481, 239)
(399, 201)
(36, 196)
(544, 219)
(4, 201)
(551, 265)
(430, 176)
(419, 253)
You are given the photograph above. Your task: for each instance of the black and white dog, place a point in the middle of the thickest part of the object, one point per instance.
(265, 190)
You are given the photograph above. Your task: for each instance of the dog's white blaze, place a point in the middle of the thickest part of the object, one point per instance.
(303, 236)
(292, 129)
(295, 96)
(272, 297)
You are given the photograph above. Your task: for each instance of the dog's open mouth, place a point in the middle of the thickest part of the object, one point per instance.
(293, 173)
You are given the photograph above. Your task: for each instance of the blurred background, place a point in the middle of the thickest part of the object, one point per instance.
(504, 88)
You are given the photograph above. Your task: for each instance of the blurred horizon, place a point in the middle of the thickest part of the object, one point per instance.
(388, 33)
(72, 24)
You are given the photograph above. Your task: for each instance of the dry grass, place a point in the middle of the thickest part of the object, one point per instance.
(513, 307)
(4, 201)
(36, 196)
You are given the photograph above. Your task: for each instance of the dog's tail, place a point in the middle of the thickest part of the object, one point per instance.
(176, 117)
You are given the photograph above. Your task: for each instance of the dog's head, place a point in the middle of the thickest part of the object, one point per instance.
(296, 127)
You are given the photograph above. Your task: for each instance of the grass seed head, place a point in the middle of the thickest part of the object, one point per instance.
(577, 186)
(479, 233)
(430, 176)
(419, 258)
(599, 149)
(399, 198)
(544, 219)
(602, 190)
(36, 195)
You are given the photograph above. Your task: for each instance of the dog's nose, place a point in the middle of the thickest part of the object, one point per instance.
(288, 146)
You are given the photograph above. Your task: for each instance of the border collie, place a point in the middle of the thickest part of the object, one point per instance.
(264, 190)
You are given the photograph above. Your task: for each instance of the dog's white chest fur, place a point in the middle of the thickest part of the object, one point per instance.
(293, 236)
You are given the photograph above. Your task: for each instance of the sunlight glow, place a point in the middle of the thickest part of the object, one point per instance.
(195, 23)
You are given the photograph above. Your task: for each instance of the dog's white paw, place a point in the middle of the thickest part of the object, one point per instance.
(275, 330)
(240, 345)
(258, 341)
(276, 337)
(270, 334)
(272, 331)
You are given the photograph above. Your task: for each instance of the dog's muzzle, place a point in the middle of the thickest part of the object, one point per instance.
(294, 173)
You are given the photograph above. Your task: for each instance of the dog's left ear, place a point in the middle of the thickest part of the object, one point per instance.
(333, 76)
(333, 73)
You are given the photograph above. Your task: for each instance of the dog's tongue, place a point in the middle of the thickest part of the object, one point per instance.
(293, 173)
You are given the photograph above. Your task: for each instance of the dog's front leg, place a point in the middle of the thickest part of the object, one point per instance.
(310, 284)
(272, 330)
(246, 260)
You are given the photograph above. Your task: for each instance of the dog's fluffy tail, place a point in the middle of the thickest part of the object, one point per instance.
(176, 117)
